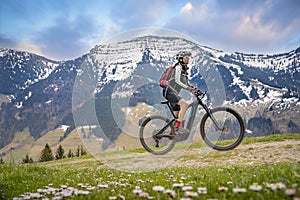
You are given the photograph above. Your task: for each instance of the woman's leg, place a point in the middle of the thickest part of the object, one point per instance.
(183, 105)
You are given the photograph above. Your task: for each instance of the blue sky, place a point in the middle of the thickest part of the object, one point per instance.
(67, 29)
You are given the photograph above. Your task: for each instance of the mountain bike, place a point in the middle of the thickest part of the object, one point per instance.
(221, 128)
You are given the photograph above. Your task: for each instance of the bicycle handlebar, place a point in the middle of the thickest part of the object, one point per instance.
(200, 93)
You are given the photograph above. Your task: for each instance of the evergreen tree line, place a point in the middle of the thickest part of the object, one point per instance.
(47, 155)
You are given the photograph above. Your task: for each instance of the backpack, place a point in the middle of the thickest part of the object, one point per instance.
(166, 76)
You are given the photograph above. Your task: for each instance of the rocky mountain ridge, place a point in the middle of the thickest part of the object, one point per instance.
(40, 91)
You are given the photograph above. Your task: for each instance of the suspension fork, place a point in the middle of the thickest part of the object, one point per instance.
(208, 111)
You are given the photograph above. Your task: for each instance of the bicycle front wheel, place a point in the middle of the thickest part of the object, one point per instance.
(153, 139)
(223, 129)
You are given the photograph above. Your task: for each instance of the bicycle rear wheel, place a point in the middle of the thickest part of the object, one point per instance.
(230, 132)
(152, 140)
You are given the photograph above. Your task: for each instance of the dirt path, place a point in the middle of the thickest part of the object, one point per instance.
(261, 152)
(247, 154)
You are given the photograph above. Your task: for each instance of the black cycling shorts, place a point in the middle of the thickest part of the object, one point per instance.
(173, 97)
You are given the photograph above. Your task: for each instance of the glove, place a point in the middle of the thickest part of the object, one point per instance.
(192, 89)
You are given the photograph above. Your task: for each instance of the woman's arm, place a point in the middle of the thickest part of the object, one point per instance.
(178, 76)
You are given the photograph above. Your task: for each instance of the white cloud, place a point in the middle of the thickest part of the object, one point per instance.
(29, 47)
(251, 27)
(241, 26)
(195, 13)
(187, 8)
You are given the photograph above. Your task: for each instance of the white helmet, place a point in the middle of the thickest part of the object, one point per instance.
(182, 54)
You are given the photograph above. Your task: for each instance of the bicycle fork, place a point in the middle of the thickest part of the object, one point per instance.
(211, 116)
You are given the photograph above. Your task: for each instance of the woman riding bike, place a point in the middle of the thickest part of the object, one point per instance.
(177, 82)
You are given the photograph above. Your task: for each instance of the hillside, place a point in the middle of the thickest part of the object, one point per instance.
(24, 144)
(252, 151)
(38, 95)
(253, 170)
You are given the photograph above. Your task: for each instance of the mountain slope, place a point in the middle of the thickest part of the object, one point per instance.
(117, 75)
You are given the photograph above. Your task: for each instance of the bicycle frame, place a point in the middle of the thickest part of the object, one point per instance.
(194, 105)
(214, 121)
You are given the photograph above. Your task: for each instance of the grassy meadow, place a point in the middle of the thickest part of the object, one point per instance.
(87, 178)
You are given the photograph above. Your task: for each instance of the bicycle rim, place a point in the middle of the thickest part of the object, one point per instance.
(231, 132)
(161, 144)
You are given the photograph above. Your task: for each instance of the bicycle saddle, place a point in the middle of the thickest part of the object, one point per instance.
(164, 102)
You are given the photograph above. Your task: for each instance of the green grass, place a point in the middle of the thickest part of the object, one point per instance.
(16, 180)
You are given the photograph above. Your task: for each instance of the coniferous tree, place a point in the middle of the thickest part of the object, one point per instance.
(60, 153)
(27, 159)
(82, 151)
(70, 154)
(46, 154)
(78, 151)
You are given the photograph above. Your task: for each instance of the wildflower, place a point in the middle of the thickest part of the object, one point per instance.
(144, 194)
(71, 188)
(171, 193)
(121, 197)
(35, 195)
(191, 194)
(290, 192)
(66, 194)
(42, 191)
(137, 187)
(80, 184)
(112, 198)
(202, 190)
(137, 191)
(158, 188)
(275, 186)
(64, 186)
(239, 190)
(222, 188)
(102, 185)
(255, 187)
(81, 192)
(187, 188)
(177, 185)
(90, 187)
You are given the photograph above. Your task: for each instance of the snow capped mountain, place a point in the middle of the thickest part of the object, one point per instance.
(119, 60)
(247, 77)
(260, 86)
(19, 70)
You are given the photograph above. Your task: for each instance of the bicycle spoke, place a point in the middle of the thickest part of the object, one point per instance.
(153, 138)
(228, 132)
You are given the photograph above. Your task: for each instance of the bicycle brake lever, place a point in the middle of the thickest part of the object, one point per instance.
(200, 94)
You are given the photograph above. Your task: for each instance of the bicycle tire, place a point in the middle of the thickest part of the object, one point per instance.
(145, 137)
(237, 136)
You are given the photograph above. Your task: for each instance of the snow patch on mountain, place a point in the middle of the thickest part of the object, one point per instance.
(274, 62)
